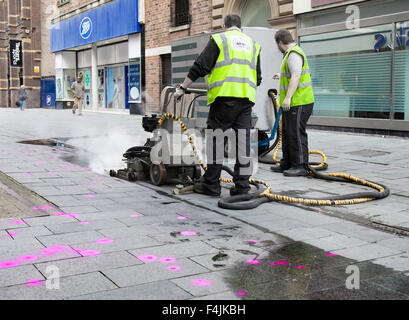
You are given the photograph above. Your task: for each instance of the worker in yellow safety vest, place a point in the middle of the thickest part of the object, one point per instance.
(231, 60)
(297, 101)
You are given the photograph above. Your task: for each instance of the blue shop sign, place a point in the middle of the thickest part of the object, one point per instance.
(108, 21)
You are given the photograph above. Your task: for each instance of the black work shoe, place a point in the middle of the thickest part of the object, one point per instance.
(278, 168)
(200, 188)
(296, 172)
(234, 191)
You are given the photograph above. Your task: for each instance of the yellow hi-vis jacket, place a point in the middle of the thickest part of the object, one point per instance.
(304, 93)
(235, 72)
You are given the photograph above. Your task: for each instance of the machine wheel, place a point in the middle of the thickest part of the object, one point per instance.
(112, 173)
(158, 174)
(131, 176)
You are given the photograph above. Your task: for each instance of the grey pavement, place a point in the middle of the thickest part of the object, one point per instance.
(111, 239)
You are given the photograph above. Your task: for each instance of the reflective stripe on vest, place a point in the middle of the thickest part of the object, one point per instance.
(304, 93)
(235, 72)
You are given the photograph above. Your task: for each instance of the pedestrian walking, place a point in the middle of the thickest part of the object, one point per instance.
(22, 97)
(297, 101)
(232, 62)
(78, 89)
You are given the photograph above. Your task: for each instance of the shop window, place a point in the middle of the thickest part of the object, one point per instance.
(256, 13)
(351, 72)
(166, 63)
(181, 14)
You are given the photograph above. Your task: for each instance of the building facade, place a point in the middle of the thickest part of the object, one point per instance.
(20, 51)
(359, 59)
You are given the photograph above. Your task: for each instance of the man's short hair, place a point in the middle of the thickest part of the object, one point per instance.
(232, 20)
(284, 36)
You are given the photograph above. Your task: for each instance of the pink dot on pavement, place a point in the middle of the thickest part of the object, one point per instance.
(103, 241)
(282, 263)
(252, 241)
(27, 258)
(89, 253)
(84, 222)
(58, 213)
(90, 196)
(330, 254)
(18, 222)
(11, 234)
(53, 250)
(27, 175)
(71, 215)
(167, 260)
(45, 208)
(300, 267)
(34, 282)
(188, 233)
(9, 264)
(135, 215)
(182, 218)
(52, 173)
(241, 293)
(147, 258)
(174, 268)
(201, 282)
(253, 262)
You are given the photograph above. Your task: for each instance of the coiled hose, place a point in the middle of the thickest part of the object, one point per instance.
(253, 200)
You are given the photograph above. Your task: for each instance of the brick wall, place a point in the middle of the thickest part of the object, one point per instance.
(20, 20)
(159, 33)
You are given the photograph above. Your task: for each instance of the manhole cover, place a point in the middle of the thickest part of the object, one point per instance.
(368, 153)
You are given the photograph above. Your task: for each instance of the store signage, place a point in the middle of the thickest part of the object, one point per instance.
(135, 83)
(86, 28)
(382, 41)
(16, 53)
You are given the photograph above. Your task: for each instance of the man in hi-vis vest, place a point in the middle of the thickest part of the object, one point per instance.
(297, 101)
(232, 62)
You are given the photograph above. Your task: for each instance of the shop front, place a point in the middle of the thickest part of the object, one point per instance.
(360, 74)
(103, 47)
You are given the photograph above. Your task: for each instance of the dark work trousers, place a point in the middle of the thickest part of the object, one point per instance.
(295, 138)
(225, 114)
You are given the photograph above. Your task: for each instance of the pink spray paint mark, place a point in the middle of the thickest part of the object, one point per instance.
(104, 241)
(188, 233)
(58, 213)
(52, 173)
(252, 241)
(201, 282)
(282, 263)
(18, 222)
(34, 283)
(241, 293)
(253, 262)
(9, 264)
(27, 175)
(147, 258)
(27, 258)
(90, 196)
(167, 260)
(89, 253)
(53, 250)
(84, 222)
(10, 234)
(331, 254)
(45, 208)
(182, 218)
(135, 215)
(71, 215)
(300, 267)
(174, 268)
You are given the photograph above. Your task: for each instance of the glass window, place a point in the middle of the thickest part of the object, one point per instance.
(256, 13)
(351, 72)
(401, 72)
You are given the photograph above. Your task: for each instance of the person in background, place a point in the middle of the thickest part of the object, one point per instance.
(78, 88)
(232, 62)
(22, 97)
(297, 101)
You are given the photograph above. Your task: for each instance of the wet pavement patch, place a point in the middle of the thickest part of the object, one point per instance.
(298, 271)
